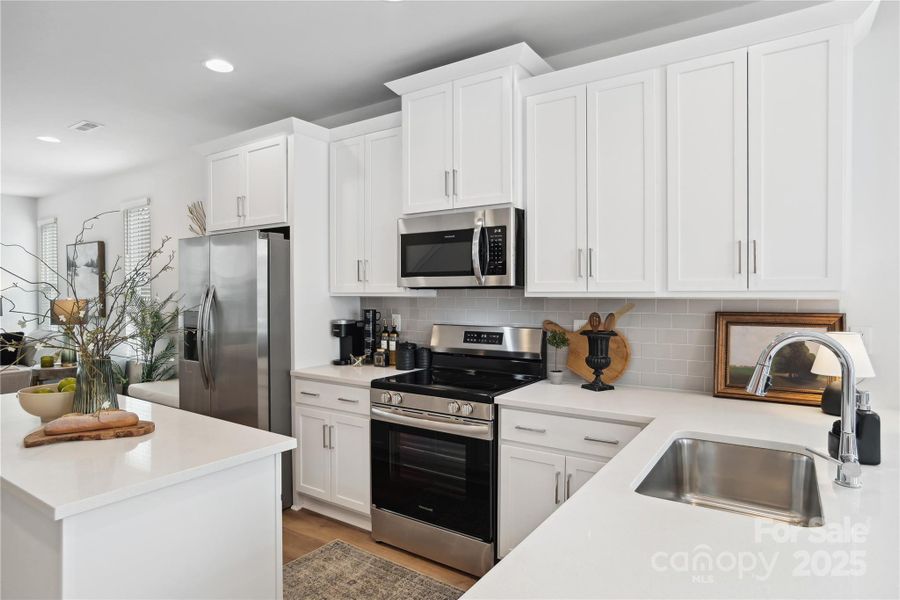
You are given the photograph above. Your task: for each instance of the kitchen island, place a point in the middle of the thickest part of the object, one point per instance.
(608, 541)
(192, 510)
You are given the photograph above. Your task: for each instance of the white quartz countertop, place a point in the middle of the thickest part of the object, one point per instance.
(72, 477)
(608, 541)
(345, 374)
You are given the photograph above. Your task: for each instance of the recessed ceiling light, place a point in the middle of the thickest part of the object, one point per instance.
(49, 138)
(219, 66)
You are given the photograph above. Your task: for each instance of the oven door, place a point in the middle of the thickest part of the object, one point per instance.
(435, 469)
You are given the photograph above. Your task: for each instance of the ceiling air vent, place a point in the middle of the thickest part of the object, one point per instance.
(85, 126)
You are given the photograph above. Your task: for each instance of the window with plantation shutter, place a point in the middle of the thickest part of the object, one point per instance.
(48, 238)
(137, 240)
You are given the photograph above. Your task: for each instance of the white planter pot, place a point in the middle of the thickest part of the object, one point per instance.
(555, 377)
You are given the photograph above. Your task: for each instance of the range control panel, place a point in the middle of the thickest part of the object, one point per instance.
(483, 337)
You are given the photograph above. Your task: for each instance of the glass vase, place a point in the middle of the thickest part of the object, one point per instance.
(95, 386)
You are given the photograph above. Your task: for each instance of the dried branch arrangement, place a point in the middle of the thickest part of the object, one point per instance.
(197, 214)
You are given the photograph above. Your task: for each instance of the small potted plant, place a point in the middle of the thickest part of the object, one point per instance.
(558, 340)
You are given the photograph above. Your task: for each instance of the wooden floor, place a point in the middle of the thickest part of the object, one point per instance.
(304, 531)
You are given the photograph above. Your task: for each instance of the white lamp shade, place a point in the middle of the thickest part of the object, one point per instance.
(827, 363)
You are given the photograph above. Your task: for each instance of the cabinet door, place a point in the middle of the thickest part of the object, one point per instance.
(556, 191)
(621, 188)
(531, 488)
(350, 462)
(314, 456)
(266, 182)
(706, 108)
(427, 149)
(226, 186)
(797, 108)
(578, 471)
(347, 215)
(383, 208)
(482, 138)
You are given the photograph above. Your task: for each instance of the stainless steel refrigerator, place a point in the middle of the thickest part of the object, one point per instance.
(234, 356)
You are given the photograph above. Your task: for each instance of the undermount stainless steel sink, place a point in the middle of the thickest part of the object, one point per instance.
(760, 482)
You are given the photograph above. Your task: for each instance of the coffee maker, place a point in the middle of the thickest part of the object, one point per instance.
(350, 334)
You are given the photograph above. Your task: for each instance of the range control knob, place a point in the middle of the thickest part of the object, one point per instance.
(453, 407)
(396, 398)
(467, 409)
(386, 397)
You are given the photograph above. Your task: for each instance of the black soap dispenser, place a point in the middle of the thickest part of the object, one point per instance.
(868, 432)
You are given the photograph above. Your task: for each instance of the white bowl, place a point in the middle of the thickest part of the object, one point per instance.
(46, 406)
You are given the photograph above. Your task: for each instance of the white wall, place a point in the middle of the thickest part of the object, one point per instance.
(18, 225)
(171, 185)
(872, 298)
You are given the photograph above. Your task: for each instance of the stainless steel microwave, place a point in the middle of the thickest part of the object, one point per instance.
(476, 248)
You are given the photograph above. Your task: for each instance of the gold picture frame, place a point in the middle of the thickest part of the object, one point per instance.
(741, 336)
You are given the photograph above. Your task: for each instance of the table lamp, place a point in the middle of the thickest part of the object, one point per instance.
(826, 363)
(68, 312)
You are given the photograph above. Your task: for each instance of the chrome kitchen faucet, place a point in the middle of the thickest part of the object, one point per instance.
(848, 469)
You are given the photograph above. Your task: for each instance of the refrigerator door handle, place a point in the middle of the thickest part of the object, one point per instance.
(207, 320)
(201, 339)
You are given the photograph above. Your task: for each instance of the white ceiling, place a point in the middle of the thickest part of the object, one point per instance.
(137, 67)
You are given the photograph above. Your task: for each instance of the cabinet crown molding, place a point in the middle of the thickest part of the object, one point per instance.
(519, 54)
(288, 126)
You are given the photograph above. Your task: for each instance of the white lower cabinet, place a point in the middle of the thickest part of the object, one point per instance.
(333, 445)
(535, 481)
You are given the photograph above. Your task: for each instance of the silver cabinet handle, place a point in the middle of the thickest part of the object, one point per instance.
(578, 260)
(590, 262)
(556, 489)
(588, 438)
(324, 433)
(740, 256)
(348, 400)
(365, 269)
(754, 257)
(447, 184)
(237, 206)
(532, 429)
(310, 394)
(331, 437)
(568, 486)
(243, 206)
(455, 178)
(358, 270)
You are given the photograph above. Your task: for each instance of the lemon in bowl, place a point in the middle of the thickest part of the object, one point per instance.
(46, 401)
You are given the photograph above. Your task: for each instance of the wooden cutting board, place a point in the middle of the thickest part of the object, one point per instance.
(38, 438)
(619, 350)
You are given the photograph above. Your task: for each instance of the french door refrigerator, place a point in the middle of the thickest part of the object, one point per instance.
(234, 356)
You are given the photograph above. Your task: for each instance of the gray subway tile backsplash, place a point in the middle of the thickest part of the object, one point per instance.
(672, 339)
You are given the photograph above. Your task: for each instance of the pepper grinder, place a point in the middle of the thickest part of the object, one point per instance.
(598, 350)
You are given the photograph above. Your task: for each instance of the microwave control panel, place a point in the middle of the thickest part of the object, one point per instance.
(496, 237)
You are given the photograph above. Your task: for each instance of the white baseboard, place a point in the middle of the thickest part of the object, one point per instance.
(333, 511)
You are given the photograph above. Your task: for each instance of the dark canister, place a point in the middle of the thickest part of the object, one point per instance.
(423, 358)
(406, 356)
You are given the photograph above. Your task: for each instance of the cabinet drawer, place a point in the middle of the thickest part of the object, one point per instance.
(586, 436)
(328, 395)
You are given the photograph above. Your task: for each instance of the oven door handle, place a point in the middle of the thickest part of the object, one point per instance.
(476, 251)
(480, 431)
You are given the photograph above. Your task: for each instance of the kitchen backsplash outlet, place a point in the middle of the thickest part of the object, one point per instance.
(672, 339)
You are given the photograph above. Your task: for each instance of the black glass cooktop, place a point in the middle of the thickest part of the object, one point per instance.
(458, 384)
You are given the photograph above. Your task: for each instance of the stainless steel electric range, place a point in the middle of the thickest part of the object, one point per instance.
(434, 443)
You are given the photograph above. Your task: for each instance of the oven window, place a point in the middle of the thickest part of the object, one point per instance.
(442, 479)
(436, 254)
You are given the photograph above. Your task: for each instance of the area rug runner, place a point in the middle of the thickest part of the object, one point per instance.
(339, 571)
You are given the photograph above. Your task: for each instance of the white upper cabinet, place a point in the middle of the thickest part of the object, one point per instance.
(482, 139)
(428, 149)
(248, 185)
(225, 189)
(797, 110)
(266, 196)
(556, 191)
(347, 216)
(707, 173)
(591, 193)
(621, 183)
(365, 205)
